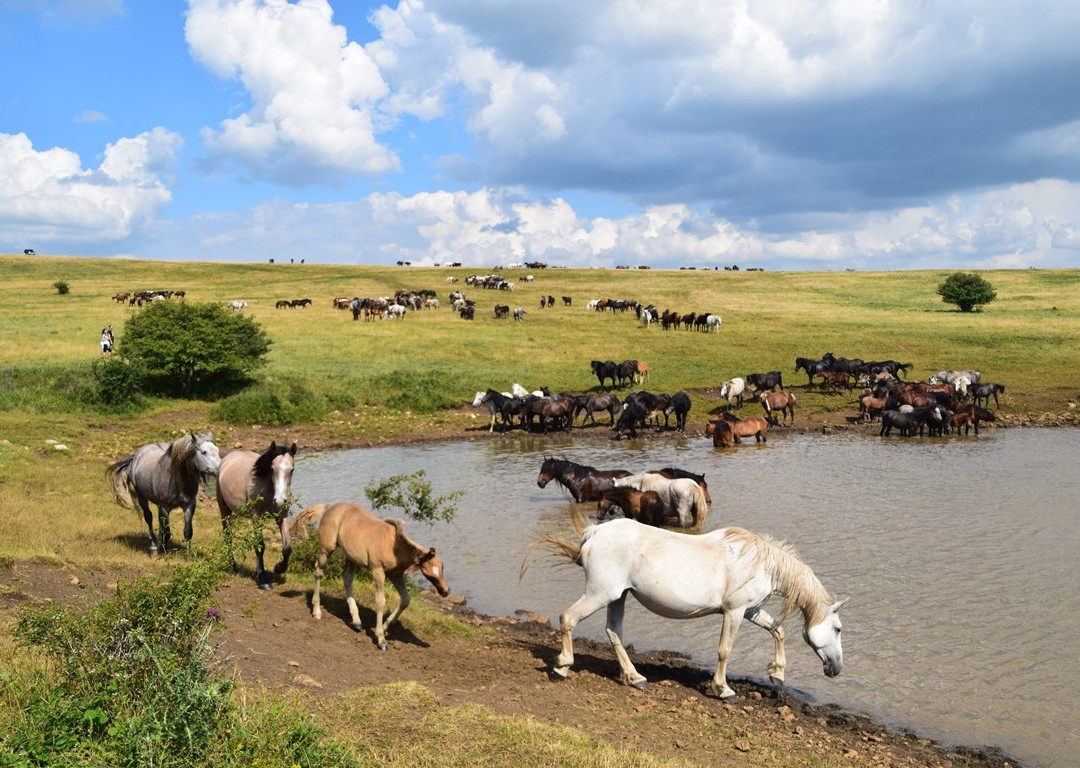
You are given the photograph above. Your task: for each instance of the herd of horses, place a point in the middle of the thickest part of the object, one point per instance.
(731, 572)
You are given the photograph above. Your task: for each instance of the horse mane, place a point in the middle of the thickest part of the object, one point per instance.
(792, 578)
(264, 464)
(181, 453)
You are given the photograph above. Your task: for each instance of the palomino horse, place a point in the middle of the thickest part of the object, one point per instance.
(682, 496)
(585, 483)
(168, 475)
(782, 402)
(752, 426)
(265, 479)
(369, 542)
(644, 506)
(728, 571)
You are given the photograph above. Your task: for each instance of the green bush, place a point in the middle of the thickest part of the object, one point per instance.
(119, 383)
(966, 290)
(185, 348)
(279, 403)
(417, 390)
(62, 287)
(130, 682)
(105, 386)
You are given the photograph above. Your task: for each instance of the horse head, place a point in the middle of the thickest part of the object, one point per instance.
(207, 456)
(432, 568)
(824, 637)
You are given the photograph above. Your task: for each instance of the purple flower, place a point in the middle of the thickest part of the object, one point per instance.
(212, 614)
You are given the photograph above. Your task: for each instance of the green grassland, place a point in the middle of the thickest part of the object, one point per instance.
(398, 379)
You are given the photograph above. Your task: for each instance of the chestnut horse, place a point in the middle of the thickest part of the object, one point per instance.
(368, 542)
(644, 506)
(751, 426)
(782, 402)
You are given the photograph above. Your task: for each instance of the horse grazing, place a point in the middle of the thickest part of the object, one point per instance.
(782, 402)
(594, 403)
(733, 389)
(585, 483)
(751, 426)
(729, 571)
(168, 475)
(644, 506)
(633, 415)
(967, 415)
(369, 542)
(265, 479)
(682, 496)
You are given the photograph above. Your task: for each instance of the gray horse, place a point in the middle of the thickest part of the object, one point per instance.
(168, 475)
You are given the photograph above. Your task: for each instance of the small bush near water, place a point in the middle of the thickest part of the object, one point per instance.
(281, 402)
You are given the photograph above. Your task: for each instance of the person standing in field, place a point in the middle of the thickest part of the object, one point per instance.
(107, 341)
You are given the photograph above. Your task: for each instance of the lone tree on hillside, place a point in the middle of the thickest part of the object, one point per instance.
(183, 348)
(966, 290)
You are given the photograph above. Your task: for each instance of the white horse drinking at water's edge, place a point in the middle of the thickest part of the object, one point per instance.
(729, 571)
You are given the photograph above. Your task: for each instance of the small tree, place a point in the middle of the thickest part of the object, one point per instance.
(412, 493)
(184, 347)
(966, 290)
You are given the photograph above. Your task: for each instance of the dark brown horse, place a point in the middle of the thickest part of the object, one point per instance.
(722, 436)
(644, 506)
(594, 403)
(585, 483)
(782, 402)
(967, 415)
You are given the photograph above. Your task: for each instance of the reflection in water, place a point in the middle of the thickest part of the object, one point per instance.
(957, 552)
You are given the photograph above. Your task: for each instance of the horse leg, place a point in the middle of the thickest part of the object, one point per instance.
(766, 622)
(163, 527)
(320, 565)
(728, 629)
(189, 514)
(286, 547)
(403, 600)
(354, 612)
(148, 516)
(378, 578)
(630, 675)
(586, 606)
(262, 581)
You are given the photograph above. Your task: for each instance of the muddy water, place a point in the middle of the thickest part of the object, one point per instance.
(960, 555)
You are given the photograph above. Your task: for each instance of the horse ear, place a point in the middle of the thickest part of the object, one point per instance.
(273, 446)
(840, 604)
(292, 449)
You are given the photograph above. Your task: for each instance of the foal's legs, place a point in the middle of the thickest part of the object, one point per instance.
(630, 675)
(378, 578)
(320, 564)
(403, 603)
(728, 629)
(764, 620)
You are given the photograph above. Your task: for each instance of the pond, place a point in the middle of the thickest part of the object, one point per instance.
(958, 552)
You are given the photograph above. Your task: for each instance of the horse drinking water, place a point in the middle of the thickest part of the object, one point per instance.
(266, 479)
(168, 475)
(729, 571)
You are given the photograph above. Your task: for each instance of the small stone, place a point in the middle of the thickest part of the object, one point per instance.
(306, 681)
(742, 745)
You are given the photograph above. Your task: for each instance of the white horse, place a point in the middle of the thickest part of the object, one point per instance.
(729, 571)
(517, 390)
(733, 389)
(681, 496)
(492, 408)
(713, 322)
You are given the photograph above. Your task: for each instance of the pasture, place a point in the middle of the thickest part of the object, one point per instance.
(418, 375)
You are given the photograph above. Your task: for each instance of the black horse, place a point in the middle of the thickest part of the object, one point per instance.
(633, 415)
(812, 368)
(585, 483)
(680, 406)
(594, 403)
(765, 381)
(626, 371)
(605, 370)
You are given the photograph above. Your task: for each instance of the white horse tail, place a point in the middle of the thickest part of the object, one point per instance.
(558, 546)
(300, 526)
(119, 475)
(701, 508)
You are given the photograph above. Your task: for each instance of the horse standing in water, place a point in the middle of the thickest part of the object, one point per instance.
(585, 483)
(246, 476)
(644, 506)
(729, 571)
(168, 475)
(368, 542)
(682, 496)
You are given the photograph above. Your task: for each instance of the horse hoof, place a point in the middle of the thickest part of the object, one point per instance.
(382, 646)
(356, 627)
(557, 675)
(265, 586)
(642, 685)
(777, 681)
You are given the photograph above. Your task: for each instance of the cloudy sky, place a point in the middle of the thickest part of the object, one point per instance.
(826, 134)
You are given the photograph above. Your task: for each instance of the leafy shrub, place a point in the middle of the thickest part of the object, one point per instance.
(119, 383)
(966, 290)
(129, 682)
(183, 348)
(288, 401)
(62, 287)
(412, 494)
(420, 391)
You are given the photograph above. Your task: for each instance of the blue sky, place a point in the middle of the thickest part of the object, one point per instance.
(829, 134)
